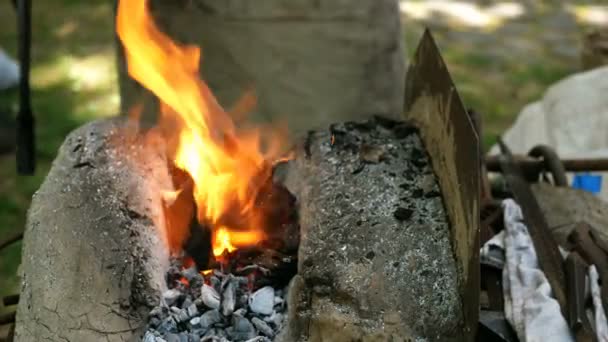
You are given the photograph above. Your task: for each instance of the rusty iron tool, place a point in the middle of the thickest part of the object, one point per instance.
(593, 254)
(534, 165)
(551, 163)
(547, 251)
(576, 273)
(493, 327)
(26, 161)
(10, 300)
(599, 241)
(433, 104)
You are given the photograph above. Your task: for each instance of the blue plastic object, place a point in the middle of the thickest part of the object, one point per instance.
(587, 182)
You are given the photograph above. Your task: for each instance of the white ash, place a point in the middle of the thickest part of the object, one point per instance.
(218, 307)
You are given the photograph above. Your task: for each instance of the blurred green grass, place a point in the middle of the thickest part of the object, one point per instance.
(74, 81)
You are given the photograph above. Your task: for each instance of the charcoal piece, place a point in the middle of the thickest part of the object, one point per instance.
(259, 339)
(149, 337)
(196, 321)
(172, 296)
(242, 301)
(278, 301)
(187, 302)
(241, 329)
(403, 214)
(167, 325)
(154, 322)
(172, 338)
(190, 273)
(192, 310)
(210, 318)
(156, 311)
(229, 296)
(211, 337)
(276, 320)
(210, 297)
(372, 154)
(262, 327)
(240, 312)
(215, 282)
(262, 301)
(242, 281)
(182, 316)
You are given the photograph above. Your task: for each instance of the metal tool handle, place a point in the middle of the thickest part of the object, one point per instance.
(25, 120)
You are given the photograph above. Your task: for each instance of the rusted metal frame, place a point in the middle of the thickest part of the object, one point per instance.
(10, 300)
(551, 163)
(491, 279)
(549, 257)
(493, 327)
(490, 220)
(428, 82)
(530, 165)
(11, 239)
(7, 318)
(576, 273)
(593, 254)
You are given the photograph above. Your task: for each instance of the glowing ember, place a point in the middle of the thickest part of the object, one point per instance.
(227, 165)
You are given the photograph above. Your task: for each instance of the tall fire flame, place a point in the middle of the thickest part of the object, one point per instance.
(228, 166)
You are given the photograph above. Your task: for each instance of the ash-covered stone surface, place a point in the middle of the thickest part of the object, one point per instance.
(93, 261)
(215, 307)
(375, 259)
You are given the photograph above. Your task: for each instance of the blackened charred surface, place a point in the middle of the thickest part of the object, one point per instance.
(198, 245)
(346, 215)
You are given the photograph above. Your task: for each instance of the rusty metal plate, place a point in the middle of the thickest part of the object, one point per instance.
(433, 104)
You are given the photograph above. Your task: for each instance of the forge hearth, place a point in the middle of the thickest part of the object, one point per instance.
(374, 263)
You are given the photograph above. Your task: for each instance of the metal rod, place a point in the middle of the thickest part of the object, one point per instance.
(529, 164)
(11, 239)
(10, 300)
(7, 318)
(25, 120)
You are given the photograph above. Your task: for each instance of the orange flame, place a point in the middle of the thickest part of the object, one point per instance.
(228, 166)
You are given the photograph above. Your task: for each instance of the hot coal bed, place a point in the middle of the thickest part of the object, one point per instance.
(238, 295)
(242, 296)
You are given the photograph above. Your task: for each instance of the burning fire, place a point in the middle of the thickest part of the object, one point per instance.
(228, 166)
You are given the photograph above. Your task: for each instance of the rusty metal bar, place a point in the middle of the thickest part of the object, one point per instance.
(592, 253)
(10, 300)
(549, 257)
(576, 272)
(534, 165)
(11, 239)
(7, 318)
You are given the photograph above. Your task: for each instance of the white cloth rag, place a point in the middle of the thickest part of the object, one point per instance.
(601, 325)
(529, 307)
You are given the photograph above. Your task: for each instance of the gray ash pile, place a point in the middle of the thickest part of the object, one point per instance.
(217, 306)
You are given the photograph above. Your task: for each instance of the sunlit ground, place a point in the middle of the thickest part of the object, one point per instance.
(501, 55)
(504, 54)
